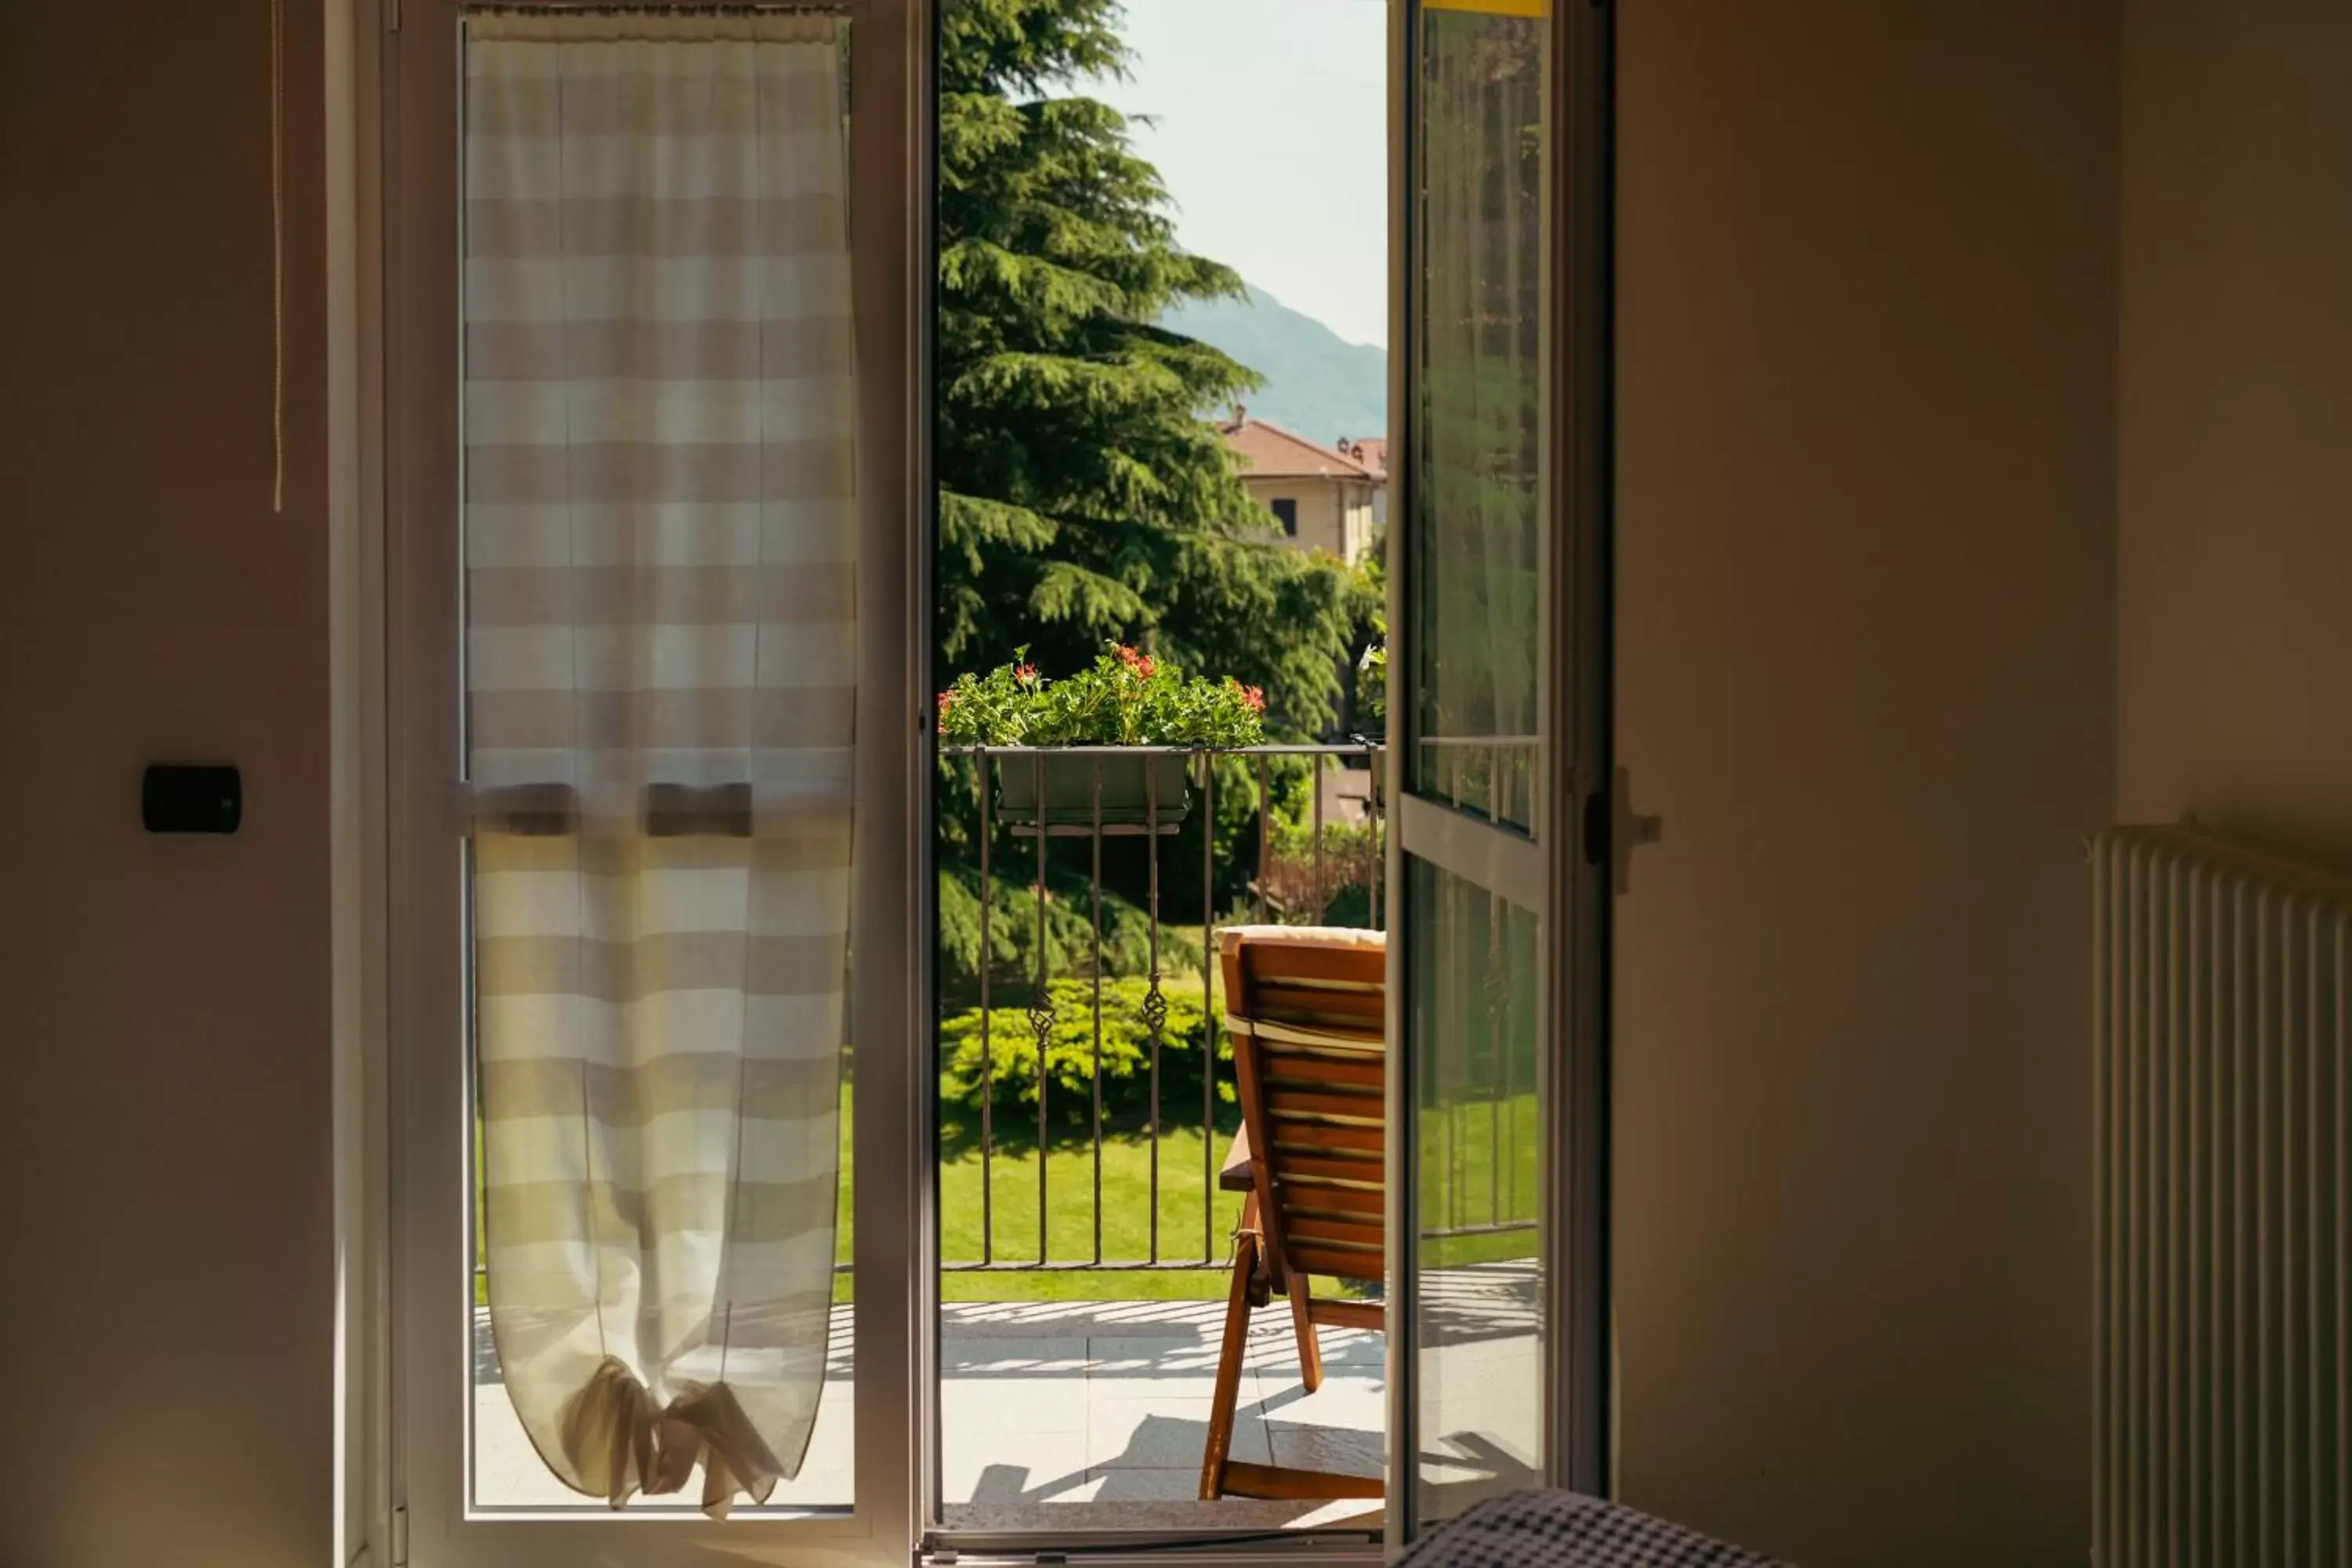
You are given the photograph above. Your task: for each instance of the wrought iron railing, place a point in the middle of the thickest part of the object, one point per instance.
(1023, 799)
(1017, 802)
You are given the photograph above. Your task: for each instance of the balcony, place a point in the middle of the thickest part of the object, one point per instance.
(1083, 1294)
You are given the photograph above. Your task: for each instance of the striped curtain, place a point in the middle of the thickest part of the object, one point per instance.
(660, 550)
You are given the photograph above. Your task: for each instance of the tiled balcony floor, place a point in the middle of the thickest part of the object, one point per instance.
(1045, 1405)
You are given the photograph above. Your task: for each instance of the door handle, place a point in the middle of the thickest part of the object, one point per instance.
(1628, 831)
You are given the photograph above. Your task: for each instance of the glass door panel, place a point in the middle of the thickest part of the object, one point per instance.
(1480, 339)
(1478, 1318)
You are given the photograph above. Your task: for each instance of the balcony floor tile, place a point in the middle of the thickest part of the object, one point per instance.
(1051, 1402)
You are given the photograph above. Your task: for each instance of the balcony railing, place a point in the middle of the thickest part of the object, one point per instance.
(1031, 829)
(1016, 803)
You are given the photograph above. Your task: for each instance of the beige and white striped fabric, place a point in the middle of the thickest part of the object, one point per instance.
(660, 548)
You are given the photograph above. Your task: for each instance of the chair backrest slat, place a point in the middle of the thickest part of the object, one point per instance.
(1371, 1141)
(1326, 1169)
(1308, 1259)
(1285, 1103)
(1325, 1198)
(1340, 1012)
(1309, 1068)
(1301, 1229)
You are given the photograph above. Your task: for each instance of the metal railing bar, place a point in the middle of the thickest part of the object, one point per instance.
(1296, 749)
(1209, 1020)
(1265, 828)
(1078, 1266)
(1498, 1228)
(1041, 1018)
(1453, 940)
(1510, 1197)
(1098, 969)
(1151, 1012)
(1315, 797)
(1498, 1031)
(987, 1054)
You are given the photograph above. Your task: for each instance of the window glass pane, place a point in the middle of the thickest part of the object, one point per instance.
(1480, 342)
(1476, 1258)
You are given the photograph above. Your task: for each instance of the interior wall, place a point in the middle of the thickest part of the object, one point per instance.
(2235, 474)
(164, 1147)
(1865, 504)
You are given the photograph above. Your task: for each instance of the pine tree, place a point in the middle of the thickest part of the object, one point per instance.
(1084, 496)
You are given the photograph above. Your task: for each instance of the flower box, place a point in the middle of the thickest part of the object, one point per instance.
(1139, 790)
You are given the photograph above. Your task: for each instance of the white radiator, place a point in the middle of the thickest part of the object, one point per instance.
(2222, 1307)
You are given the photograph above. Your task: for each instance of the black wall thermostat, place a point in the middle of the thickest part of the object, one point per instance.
(191, 797)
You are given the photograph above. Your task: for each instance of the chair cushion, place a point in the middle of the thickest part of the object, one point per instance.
(1231, 937)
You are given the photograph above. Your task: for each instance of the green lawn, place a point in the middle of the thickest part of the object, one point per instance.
(1471, 1178)
(1070, 1175)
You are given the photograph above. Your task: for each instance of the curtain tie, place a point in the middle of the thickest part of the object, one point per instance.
(621, 1444)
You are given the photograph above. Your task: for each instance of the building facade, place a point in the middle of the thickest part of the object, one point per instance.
(1324, 498)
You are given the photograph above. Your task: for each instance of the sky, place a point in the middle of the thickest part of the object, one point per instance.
(1271, 136)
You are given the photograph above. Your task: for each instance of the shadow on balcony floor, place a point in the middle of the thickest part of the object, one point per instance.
(1048, 1404)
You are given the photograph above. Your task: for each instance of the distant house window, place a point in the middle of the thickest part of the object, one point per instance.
(1286, 510)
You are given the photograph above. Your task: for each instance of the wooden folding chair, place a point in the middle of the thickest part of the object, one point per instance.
(1305, 1008)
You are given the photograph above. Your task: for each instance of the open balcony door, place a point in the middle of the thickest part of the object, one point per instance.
(1500, 875)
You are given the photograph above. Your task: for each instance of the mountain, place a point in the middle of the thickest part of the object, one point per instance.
(1316, 384)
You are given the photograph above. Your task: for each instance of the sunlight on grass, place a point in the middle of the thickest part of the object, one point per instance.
(1126, 1212)
(1482, 1163)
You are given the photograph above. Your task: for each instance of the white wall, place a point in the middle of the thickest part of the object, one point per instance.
(1866, 671)
(2236, 467)
(164, 1162)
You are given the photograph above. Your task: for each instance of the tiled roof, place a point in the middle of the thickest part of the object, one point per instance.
(1371, 451)
(1270, 452)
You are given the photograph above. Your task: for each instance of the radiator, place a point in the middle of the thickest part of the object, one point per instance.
(2223, 1187)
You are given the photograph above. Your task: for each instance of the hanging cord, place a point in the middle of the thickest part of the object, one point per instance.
(278, 254)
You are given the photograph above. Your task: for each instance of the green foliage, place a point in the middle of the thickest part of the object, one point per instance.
(1126, 698)
(1068, 935)
(1083, 495)
(1325, 883)
(1369, 694)
(1011, 1053)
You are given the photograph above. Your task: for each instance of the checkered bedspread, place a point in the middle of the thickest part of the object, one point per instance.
(1562, 1530)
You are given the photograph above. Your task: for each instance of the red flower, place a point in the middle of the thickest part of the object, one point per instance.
(947, 700)
(1252, 698)
(1024, 673)
(1138, 662)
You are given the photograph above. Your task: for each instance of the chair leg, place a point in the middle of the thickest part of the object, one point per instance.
(1310, 1348)
(1230, 1351)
